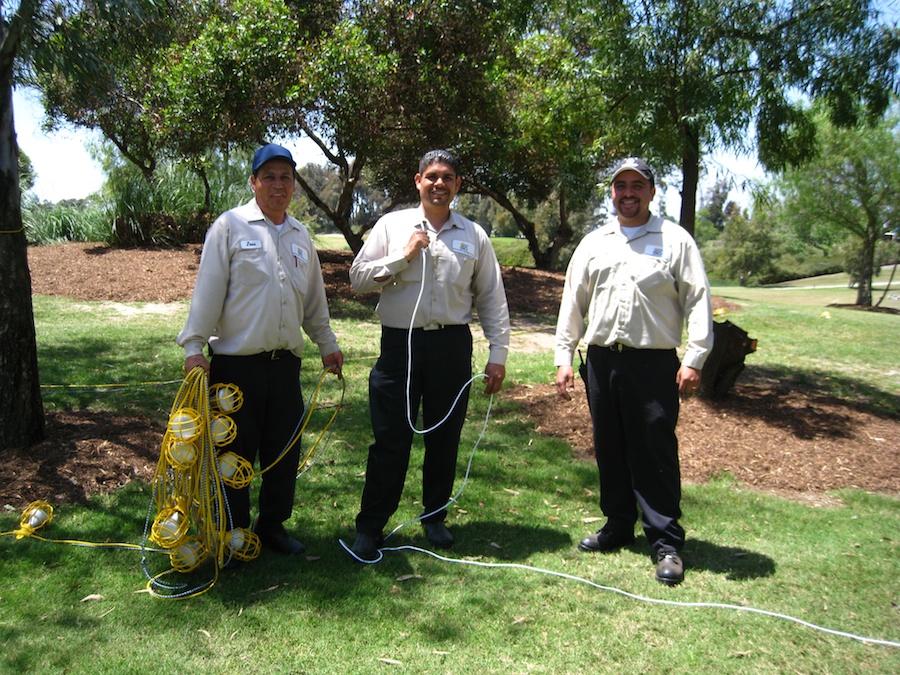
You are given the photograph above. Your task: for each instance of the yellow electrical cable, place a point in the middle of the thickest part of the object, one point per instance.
(40, 513)
(96, 387)
(192, 518)
(306, 462)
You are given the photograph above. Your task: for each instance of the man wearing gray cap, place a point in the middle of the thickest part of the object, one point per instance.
(631, 288)
(259, 287)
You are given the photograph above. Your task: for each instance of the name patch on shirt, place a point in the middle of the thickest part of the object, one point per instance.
(249, 244)
(464, 247)
(299, 252)
(656, 252)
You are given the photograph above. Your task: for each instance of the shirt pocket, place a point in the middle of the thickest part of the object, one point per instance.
(250, 267)
(456, 269)
(651, 275)
(298, 272)
(413, 273)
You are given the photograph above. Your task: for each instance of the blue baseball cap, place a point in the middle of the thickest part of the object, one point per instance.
(270, 152)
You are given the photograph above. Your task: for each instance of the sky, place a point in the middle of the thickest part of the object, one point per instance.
(65, 169)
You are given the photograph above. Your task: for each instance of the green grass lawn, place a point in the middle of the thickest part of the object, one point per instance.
(514, 595)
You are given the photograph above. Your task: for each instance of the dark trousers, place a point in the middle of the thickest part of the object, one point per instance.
(441, 365)
(272, 409)
(634, 408)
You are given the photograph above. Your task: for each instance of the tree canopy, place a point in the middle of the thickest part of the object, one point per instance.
(852, 186)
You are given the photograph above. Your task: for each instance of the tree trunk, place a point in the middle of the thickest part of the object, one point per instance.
(690, 170)
(866, 271)
(21, 407)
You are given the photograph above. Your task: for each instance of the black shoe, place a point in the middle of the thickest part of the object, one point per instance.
(669, 568)
(283, 544)
(438, 534)
(605, 541)
(276, 539)
(366, 546)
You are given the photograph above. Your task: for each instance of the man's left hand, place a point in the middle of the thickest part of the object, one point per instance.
(688, 380)
(495, 375)
(334, 363)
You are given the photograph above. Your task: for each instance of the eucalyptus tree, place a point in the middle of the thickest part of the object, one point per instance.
(851, 186)
(27, 29)
(696, 75)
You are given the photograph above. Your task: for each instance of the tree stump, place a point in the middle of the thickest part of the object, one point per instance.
(731, 345)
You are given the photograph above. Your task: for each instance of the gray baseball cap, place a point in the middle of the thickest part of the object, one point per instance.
(633, 164)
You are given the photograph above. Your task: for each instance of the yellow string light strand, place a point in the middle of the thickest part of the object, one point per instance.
(188, 517)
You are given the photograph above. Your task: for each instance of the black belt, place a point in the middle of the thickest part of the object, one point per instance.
(274, 355)
(619, 347)
(428, 327)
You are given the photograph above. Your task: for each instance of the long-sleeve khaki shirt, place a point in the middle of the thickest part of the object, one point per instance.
(257, 288)
(461, 274)
(640, 292)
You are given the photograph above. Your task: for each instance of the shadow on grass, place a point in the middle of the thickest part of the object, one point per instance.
(735, 564)
(766, 393)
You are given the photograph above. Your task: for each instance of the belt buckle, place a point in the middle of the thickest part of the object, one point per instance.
(617, 347)
(275, 356)
(432, 326)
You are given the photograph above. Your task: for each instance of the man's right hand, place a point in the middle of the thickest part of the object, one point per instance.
(192, 362)
(416, 243)
(565, 381)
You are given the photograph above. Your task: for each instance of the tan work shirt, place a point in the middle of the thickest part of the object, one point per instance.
(640, 291)
(256, 288)
(460, 272)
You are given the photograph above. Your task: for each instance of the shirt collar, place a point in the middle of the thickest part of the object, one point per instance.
(451, 221)
(253, 213)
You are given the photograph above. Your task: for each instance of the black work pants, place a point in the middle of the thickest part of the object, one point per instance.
(634, 408)
(271, 411)
(441, 365)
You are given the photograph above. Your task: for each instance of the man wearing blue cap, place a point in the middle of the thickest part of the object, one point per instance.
(259, 287)
(631, 288)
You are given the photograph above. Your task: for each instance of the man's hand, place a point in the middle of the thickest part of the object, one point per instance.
(334, 363)
(416, 243)
(688, 380)
(565, 381)
(495, 376)
(192, 362)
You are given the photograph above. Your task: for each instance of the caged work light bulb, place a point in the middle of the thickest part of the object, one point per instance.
(226, 397)
(222, 429)
(188, 555)
(234, 470)
(184, 424)
(169, 528)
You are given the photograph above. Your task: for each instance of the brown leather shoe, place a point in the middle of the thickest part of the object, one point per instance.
(605, 541)
(669, 568)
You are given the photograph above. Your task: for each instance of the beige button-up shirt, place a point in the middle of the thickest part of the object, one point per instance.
(640, 291)
(456, 274)
(257, 288)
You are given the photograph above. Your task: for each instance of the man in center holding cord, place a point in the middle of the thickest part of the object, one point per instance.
(435, 262)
